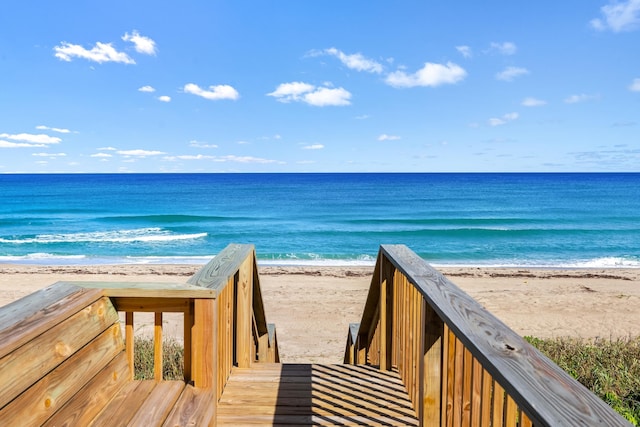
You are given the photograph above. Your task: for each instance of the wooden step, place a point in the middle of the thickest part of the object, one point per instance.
(304, 394)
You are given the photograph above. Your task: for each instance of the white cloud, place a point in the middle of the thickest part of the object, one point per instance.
(214, 93)
(618, 16)
(510, 73)
(7, 144)
(509, 117)
(148, 89)
(464, 50)
(243, 159)
(533, 102)
(53, 155)
(164, 98)
(101, 52)
(635, 85)
(107, 149)
(362, 117)
(198, 144)
(32, 138)
(142, 44)
(385, 137)
(574, 99)
(324, 96)
(505, 48)
(310, 94)
(59, 130)
(430, 75)
(140, 153)
(355, 61)
(101, 155)
(313, 147)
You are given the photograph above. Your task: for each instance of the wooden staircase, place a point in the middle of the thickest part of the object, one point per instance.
(304, 394)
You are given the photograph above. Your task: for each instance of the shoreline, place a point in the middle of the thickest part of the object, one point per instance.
(312, 306)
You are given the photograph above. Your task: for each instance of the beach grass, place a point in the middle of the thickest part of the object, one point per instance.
(172, 359)
(610, 368)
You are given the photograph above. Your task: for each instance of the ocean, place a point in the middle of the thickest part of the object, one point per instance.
(449, 219)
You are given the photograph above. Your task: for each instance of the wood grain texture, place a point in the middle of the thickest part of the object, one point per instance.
(22, 320)
(547, 394)
(94, 396)
(215, 274)
(52, 392)
(29, 363)
(195, 407)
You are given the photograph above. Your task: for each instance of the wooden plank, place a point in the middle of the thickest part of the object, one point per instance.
(203, 344)
(89, 401)
(466, 394)
(497, 416)
(542, 389)
(195, 407)
(157, 347)
(156, 407)
(29, 363)
(487, 393)
(22, 320)
(432, 373)
(511, 413)
(147, 289)
(123, 407)
(216, 273)
(152, 305)
(187, 343)
(476, 395)
(129, 338)
(244, 311)
(44, 398)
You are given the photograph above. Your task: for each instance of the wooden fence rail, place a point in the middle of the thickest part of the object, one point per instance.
(461, 365)
(224, 319)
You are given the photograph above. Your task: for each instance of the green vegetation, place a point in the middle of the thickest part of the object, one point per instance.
(172, 359)
(609, 368)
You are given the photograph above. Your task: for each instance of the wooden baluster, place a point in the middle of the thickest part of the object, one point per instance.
(157, 347)
(129, 342)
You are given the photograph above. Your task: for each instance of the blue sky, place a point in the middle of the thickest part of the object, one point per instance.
(319, 86)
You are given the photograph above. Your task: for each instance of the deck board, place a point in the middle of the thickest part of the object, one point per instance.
(302, 394)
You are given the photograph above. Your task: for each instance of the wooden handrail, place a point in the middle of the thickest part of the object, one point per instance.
(224, 319)
(460, 364)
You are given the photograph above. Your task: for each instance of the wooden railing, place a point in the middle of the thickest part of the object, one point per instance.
(224, 319)
(461, 365)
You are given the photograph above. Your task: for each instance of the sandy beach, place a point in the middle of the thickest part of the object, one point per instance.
(313, 306)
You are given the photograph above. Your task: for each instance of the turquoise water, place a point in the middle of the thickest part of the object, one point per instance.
(551, 220)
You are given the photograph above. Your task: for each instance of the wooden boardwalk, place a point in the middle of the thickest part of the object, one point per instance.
(302, 394)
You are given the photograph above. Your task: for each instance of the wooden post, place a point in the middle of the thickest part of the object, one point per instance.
(432, 377)
(244, 307)
(157, 347)
(203, 343)
(129, 342)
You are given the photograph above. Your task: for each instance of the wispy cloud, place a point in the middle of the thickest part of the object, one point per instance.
(59, 130)
(49, 155)
(101, 52)
(430, 75)
(101, 155)
(213, 93)
(465, 51)
(164, 98)
(533, 102)
(574, 99)
(142, 44)
(198, 144)
(635, 85)
(10, 144)
(618, 16)
(355, 61)
(322, 96)
(499, 121)
(32, 138)
(313, 147)
(504, 48)
(140, 153)
(385, 137)
(148, 89)
(510, 73)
